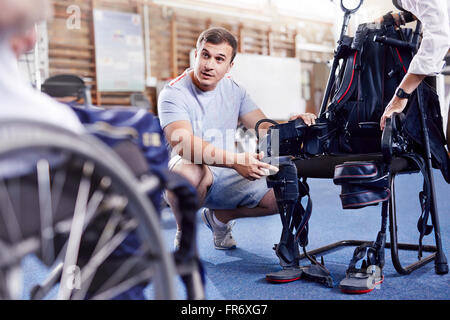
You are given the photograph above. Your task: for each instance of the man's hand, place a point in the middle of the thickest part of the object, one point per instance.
(409, 83)
(250, 167)
(308, 118)
(378, 20)
(395, 16)
(395, 105)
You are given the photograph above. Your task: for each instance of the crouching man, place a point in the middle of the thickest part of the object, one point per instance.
(199, 112)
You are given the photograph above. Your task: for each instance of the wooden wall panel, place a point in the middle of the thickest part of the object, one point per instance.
(255, 40)
(72, 50)
(184, 38)
(173, 34)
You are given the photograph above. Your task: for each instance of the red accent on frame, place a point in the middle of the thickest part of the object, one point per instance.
(351, 80)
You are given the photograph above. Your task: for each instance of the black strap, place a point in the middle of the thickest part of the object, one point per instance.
(375, 253)
(294, 217)
(301, 227)
(358, 254)
(375, 250)
(400, 68)
(425, 200)
(260, 122)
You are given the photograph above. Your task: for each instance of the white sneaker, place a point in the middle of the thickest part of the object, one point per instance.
(223, 239)
(176, 241)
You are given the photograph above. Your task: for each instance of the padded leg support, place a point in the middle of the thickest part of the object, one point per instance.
(285, 186)
(289, 191)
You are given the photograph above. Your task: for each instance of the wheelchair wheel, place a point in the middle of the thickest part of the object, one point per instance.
(70, 202)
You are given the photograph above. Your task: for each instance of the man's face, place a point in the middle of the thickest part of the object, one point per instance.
(212, 62)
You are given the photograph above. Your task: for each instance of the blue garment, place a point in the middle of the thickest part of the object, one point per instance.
(118, 124)
(113, 126)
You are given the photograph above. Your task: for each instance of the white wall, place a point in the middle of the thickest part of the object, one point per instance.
(273, 83)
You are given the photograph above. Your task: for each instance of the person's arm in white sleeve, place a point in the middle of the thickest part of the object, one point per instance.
(433, 15)
(428, 61)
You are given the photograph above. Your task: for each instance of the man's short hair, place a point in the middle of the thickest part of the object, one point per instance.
(218, 35)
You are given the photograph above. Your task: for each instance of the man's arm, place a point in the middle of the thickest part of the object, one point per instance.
(250, 119)
(187, 145)
(409, 83)
(429, 58)
(183, 141)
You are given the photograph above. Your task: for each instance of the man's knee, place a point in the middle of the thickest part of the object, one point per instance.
(198, 175)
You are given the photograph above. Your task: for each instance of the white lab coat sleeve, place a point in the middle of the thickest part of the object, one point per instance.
(436, 35)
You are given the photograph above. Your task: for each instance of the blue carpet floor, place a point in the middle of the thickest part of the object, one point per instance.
(240, 273)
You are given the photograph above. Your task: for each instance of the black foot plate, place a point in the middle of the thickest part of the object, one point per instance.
(285, 275)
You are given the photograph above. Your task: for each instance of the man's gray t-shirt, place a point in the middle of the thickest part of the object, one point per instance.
(213, 114)
(214, 117)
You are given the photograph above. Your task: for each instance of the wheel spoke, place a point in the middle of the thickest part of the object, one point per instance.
(102, 254)
(46, 211)
(9, 216)
(76, 230)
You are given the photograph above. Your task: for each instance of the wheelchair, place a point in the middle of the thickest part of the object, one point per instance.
(76, 205)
